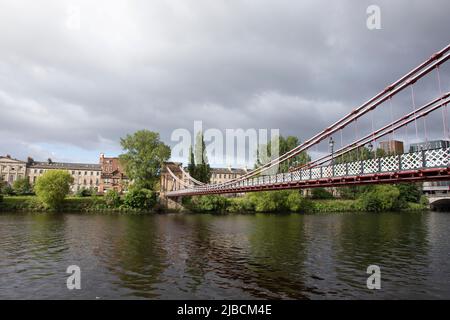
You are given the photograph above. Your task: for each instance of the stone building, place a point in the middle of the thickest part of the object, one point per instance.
(85, 176)
(113, 175)
(11, 169)
(221, 175)
(167, 182)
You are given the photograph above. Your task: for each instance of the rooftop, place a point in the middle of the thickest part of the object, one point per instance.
(65, 165)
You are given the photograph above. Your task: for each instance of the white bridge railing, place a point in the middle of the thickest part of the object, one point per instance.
(432, 158)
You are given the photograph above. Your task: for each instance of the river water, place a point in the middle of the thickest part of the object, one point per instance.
(260, 256)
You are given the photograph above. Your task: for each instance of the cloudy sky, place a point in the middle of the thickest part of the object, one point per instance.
(75, 76)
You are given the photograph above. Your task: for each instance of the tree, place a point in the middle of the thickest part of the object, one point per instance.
(381, 198)
(191, 165)
(7, 190)
(362, 153)
(112, 199)
(84, 192)
(284, 145)
(52, 187)
(22, 186)
(198, 166)
(209, 203)
(140, 199)
(145, 154)
(2, 186)
(409, 192)
(321, 193)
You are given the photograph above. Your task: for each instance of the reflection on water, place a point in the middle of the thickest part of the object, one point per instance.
(224, 257)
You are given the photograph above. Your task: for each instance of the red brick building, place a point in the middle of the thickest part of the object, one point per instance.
(113, 175)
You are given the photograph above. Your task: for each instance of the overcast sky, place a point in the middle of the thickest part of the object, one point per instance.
(70, 88)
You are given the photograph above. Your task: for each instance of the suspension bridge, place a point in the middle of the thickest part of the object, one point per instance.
(425, 164)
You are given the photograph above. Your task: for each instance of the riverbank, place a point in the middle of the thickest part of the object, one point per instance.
(92, 204)
(368, 199)
(378, 199)
(315, 206)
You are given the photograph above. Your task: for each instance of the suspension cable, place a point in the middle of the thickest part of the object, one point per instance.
(444, 110)
(392, 116)
(414, 108)
(417, 73)
(403, 121)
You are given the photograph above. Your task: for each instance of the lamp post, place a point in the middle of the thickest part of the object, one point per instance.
(331, 144)
(370, 147)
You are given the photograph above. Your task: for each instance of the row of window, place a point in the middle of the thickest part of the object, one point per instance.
(224, 175)
(10, 178)
(97, 173)
(4, 168)
(33, 180)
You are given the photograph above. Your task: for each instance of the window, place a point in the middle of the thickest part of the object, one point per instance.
(92, 173)
(41, 171)
(73, 172)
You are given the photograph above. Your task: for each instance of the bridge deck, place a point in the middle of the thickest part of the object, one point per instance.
(425, 165)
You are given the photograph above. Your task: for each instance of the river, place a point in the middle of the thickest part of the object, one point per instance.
(262, 256)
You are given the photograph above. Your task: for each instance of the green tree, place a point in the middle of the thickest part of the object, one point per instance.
(5, 188)
(295, 202)
(84, 192)
(321, 193)
(112, 198)
(140, 199)
(198, 165)
(145, 154)
(191, 165)
(409, 192)
(22, 186)
(362, 153)
(269, 201)
(381, 198)
(52, 187)
(264, 153)
(209, 203)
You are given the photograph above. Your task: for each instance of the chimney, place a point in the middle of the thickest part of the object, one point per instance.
(102, 157)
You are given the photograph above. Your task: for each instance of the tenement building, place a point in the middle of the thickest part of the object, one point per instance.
(11, 169)
(85, 175)
(113, 175)
(101, 177)
(221, 175)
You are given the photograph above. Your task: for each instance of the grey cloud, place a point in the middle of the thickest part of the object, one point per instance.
(297, 66)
